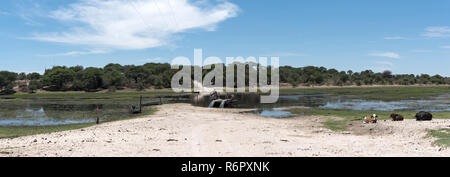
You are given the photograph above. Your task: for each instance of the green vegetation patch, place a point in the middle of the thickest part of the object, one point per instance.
(442, 136)
(17, 131)
(335, 125)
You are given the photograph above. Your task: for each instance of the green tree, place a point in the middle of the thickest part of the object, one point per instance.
(140, 86)
(135, 73)
(7, 82)
(22, 76)
(114, 79)
(92, 78)
(33, 76)
(113, 67)
(34, 85)
(58, 77)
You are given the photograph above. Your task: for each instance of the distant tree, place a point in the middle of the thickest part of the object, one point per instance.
(76, 68)
(159, 75)
(58, 77)
(437, 79)
(114, 79)
(7, 82)
(8, 90)
(113, 67)
(3, 82)
(318, 78)
(92, 78)
(77, 85)
(33, 76)
(33, 86)
(135, 73)
(424, 79)
(140, 86)
(350, 72)
(22, 76)
(387, 74)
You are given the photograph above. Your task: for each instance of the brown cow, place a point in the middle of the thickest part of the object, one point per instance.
(396, 117)
(370, 119)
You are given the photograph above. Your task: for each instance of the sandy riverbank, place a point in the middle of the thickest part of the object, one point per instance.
(184, 130)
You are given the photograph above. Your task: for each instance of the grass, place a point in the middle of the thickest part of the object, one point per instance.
(102, 96)
(335, 125)
(442, 136)
(17, 131)
(374, 93)
(353, 115)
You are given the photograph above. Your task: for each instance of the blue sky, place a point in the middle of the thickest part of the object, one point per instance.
(405, 36)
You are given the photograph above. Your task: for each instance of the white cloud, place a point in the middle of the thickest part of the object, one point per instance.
(75, 53)
(135, 24)
(437, 32)
(395, 38)
(385, 63)
(30, 11)
(385, 54)
(446, 47)
(381, 68)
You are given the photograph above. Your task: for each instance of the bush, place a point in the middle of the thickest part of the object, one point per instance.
(33, 86)
(8, 90)
(58, 77)
(112, 89)
(140, 86)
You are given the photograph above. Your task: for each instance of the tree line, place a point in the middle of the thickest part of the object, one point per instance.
(159, 75)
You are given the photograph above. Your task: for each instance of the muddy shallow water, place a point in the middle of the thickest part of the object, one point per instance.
(63, 112)
(439, 103)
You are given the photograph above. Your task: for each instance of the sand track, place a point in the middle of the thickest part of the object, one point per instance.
(184, 130)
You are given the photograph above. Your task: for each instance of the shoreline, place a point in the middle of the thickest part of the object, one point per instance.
(182, 130)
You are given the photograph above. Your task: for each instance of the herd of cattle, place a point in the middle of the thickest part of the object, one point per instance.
(421, 116)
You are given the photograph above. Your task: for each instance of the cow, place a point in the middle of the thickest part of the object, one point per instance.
(424, 116)
(370, 119)
(396, 117)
